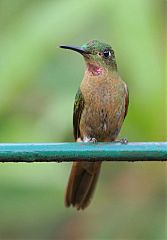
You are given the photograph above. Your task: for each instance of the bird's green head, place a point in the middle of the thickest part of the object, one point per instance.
(98, 56)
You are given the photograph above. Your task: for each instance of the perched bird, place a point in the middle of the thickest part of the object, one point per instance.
(100, 107)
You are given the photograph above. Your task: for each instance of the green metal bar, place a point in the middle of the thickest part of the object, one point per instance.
(67, 152)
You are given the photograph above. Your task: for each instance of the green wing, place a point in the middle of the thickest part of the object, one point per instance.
(78, 109)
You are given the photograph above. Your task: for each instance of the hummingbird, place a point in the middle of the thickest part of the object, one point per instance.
(100, 107)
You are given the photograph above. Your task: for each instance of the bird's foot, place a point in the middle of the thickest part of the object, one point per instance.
(92, 140)
(122, 141)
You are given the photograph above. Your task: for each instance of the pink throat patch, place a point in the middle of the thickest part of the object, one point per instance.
(95, 70)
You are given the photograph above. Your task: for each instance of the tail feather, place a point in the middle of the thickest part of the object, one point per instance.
(81, 184)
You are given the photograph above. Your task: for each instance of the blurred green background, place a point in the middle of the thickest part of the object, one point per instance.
(38, 82)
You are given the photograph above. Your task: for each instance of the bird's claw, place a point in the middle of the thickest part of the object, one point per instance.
(89, 139)
(93, 140)
(122, 141)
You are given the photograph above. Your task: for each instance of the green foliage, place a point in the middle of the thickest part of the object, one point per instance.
(38, 83)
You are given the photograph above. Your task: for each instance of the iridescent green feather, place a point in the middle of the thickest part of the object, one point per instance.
(95, 48)
(78, 109)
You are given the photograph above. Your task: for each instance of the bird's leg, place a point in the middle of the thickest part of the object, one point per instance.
(122, 140)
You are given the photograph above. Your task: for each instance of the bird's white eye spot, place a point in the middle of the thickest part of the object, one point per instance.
(106, 53)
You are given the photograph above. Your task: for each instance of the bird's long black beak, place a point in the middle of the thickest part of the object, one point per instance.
(76, 49)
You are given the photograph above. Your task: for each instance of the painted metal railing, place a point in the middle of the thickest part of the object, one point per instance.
(66, 152)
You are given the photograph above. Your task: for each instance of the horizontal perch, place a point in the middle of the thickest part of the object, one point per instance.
(67, 152)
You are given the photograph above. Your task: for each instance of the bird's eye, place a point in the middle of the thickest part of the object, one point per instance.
(106, 53)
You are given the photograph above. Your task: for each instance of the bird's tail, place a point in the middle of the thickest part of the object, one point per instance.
(81, 184)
